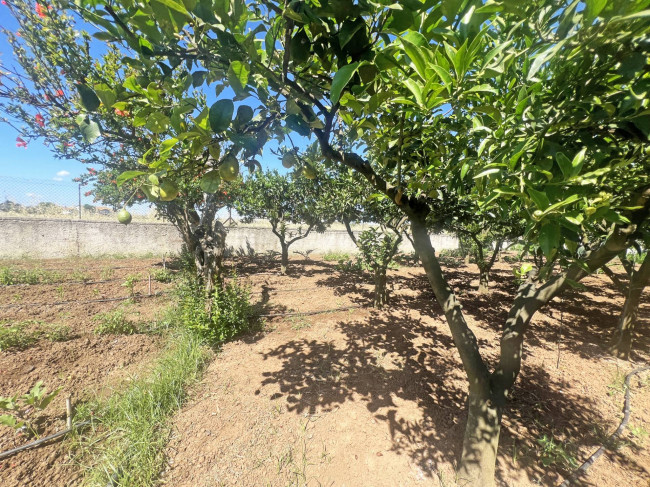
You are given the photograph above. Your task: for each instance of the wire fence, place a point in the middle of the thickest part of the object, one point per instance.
(59, 199)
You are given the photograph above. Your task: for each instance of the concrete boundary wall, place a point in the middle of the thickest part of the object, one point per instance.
(69, 238)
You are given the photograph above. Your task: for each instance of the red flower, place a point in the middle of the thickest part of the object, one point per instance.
(92, 171)
(40, 10)
(113, 181)
(20, 142)
(69, 144)
(139, 196)
(40, 120)
(88, 193)
(59, 93)
(121, 113)
(3, 2)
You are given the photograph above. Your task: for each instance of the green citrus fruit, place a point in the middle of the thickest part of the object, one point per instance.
(309, 172)
(124, 217)
(537, 215)
(288, 160)
(590, 210)
(168, 191)
(229, 169)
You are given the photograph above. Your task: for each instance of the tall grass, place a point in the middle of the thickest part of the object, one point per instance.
(134, 423)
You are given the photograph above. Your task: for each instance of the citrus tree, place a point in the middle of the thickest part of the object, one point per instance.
(61, 95)
(292, 204)
(534, 107)
(351, 201)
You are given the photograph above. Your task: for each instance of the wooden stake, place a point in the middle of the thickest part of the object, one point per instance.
(68, 411)
(149, 284)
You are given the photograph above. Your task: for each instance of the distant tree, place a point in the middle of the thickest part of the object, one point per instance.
(292, 204)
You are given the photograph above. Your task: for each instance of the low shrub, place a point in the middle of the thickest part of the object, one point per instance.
(162, 275)
(114, 323)
(223, 315)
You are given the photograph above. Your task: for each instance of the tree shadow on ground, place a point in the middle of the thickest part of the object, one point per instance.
(391, 356)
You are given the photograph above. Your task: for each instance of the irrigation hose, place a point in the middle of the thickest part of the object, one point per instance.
(626, 418)
(40, 441)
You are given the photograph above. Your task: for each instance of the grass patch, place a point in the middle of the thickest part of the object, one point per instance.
(125, 443)
(114, 323)
(335, 256)
(11, 275)
(16, 337)
(24, 334)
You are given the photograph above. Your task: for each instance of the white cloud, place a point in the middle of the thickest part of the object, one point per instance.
(60, 175)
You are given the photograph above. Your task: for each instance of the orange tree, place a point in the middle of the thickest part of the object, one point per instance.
(293, 205)
(539, 108)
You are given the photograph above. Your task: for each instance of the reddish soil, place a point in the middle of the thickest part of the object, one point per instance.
(375, 398)
(83, 365)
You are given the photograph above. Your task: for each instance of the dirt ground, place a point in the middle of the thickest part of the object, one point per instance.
(375, 398)
(357, 397)
(82, 365)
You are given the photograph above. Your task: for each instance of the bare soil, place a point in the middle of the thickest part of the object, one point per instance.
(81, 366)
(358, 397)
(365, 397)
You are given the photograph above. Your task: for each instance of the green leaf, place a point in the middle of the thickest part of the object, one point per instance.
(543, 57)
(571, 199)
(89, 129)
(417, 57)
(341, 79)
(549, 238)
(483, 88)
(220, 115)
(157, 122)
(540, 199)
(8, 420)
(238, 76)
(593, 8)
(486, 172)
(105, 94)
(444, 75)
(416, 89)
(89, 99)
(565, 165)
(126, 175)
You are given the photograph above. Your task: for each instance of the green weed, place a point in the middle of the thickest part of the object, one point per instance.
(223, 315)
(114, 323)
(126, 443)
(335, 255)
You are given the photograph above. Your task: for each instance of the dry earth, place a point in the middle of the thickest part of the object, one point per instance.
(84, 364)
(358, 397)
(375, 398)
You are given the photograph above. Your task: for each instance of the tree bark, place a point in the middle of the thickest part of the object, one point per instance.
(284, 262)
(381, 291)
(481, 441)
(622, 343)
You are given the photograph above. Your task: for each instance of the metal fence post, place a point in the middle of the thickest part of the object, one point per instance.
(79, 201)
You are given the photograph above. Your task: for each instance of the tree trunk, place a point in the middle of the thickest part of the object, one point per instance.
(623, 337)
(478, 461)
(381, 291)
(483, 280)
(284, 263)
